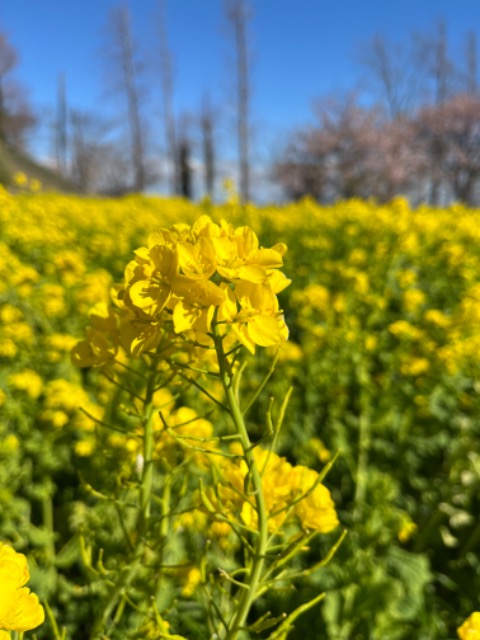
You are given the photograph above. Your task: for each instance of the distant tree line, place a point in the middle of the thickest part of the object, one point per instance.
(421, 138)
(97, 164)
(412, 127)
(431, 156)
(125, 152)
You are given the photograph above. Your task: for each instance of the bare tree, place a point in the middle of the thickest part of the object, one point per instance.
(166, 81)
(185, 167)
(451, 135)
(395, 73)
(91, 152)
(301, 170)
(471, 71)
(124, 72)
(441, 65)
(61, 126)
(207, 123)
(16, 117)
(351, 152)
(238, 14)
(184, 155)
(8, 61)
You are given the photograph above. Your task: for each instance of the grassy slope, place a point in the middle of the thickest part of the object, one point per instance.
(13, 161)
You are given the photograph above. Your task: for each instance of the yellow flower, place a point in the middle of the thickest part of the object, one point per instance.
(8, 349)
(20, 179)
(316, 511)
(28, 381)
(10, 314)
(150, 284)
(403, 329)
(84, 448)
(282, 483)
(252, 312)
(176, 286)
(317, 447)
(9, 444)
(406, 278)
(415, 366)
(240, 257)
(470, 629)
(407, 529)
(437, 317)
(412, 299)
(193, 578)
(19, 609)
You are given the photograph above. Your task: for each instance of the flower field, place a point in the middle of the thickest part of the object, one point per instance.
(165, 480)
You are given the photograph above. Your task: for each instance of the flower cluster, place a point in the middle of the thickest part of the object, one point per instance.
(293, 494)
(186, 278)
(19, 609)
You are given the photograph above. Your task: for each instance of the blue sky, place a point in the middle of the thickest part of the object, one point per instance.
(303, 49)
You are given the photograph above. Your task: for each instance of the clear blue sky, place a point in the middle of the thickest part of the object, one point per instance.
(303, 49)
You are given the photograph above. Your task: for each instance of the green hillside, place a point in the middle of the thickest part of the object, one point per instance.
(13, 161)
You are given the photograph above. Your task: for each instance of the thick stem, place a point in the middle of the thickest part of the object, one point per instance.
(249, 594)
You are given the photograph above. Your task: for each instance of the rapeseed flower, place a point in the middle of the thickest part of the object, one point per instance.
(19, 608)
(293, 494)
(470, 629)
(184, 278)
(28, 381)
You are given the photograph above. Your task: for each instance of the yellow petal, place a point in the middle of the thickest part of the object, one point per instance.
(204, 226)
(252, 273)
(143, 253)
(265, 331)
(7, 599)
(13, 566)
(247, 241)
(240, 330)
(27, 613)
(145, 339)
(278, 281)
(280, 248)
(266, 258)
(82, 355)
(184, 317)
(198, 291)
(228, 309)
(144, 294)
(165, 261)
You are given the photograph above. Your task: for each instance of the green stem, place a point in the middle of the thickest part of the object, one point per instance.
(48, 523)
(164, 528)
(147, 475)
(53, 622)
(145, 498)
(363, 449)
(248, 594)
